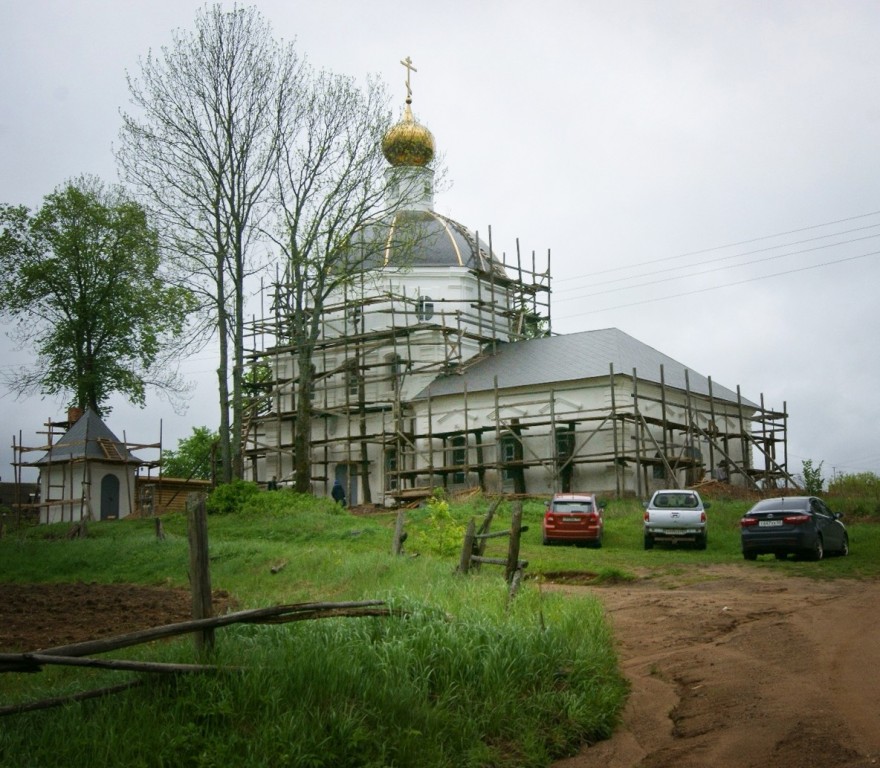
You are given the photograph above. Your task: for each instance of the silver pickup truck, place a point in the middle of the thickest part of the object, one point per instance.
(675, 516)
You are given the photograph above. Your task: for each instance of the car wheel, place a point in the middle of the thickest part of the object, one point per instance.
(750, 555)
(649, 541)
(844, 550)
(545, 541)
(816, 552)
(702, 541)
(780, 555)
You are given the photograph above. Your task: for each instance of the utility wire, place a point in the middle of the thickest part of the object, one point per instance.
(734, 245)
(716, 260)
(717, 287)
(720, 269)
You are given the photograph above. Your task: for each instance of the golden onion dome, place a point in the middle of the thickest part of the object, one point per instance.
(408, 142)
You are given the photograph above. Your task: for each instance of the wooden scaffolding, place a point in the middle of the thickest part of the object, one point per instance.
(359, 413)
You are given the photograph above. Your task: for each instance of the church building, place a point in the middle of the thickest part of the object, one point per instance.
(437, 366)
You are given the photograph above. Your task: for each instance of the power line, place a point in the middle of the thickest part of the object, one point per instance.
(720, 269)
(734, 245)
(725, 285)
(723, 258)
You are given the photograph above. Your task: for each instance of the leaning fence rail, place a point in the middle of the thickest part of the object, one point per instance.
(81, 654)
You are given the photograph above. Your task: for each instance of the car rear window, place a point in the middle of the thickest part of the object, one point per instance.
(780, 505)
(572, 506)
(677, 500)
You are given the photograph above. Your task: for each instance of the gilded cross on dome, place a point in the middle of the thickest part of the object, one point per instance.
(407, 62)
(407, 143)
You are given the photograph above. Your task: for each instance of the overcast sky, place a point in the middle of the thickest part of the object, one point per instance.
(706, 175)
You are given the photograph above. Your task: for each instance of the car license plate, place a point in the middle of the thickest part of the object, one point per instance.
(769, 523)
(571, 519)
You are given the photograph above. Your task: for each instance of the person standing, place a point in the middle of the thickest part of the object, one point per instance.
(338, 493)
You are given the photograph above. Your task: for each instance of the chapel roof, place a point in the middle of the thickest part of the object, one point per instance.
(88, 438)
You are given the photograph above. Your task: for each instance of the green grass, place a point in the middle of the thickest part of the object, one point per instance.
(623, 553)
(463, 677)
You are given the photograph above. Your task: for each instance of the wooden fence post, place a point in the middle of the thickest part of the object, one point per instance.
(514, 583)
(513, 550)
(199, 571)
(467, 549)
(484, 529)
(399, 535)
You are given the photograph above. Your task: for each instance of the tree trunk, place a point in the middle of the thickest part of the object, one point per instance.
(302, 437)
(237, 460)
(223, 381)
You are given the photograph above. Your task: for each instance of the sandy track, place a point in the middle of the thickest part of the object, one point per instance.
(742, 668)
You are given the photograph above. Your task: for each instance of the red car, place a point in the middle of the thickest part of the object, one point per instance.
(574, 518)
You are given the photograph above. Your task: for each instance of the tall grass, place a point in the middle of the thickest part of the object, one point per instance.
(467, 683)
(461, 677)
(856, 495)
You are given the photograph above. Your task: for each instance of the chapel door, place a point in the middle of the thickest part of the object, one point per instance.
(109, 497)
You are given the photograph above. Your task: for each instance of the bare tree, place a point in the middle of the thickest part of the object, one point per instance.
(201, 148)
(331, 190)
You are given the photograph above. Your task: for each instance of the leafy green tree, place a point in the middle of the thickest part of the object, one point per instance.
(82, 277)
(195, 457)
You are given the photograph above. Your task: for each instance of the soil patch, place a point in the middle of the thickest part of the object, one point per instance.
(733, 666)
(35, 616)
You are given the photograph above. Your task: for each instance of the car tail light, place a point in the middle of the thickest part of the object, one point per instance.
(748, 522)
(702, 517)
(647, 516)
(796, 519)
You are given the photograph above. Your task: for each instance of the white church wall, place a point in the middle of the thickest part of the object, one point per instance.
(583, 404)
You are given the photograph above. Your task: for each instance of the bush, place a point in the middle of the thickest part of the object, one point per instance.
(857, 495)
(445, 534)
(231, 497)
(813, 480)
(245, 498)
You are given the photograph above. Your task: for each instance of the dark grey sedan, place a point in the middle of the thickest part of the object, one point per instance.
(798, 525)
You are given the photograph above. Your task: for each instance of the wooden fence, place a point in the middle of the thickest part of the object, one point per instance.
(475, 541)
(202, 626)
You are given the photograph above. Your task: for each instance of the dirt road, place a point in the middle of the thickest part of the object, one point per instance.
(741, 668)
